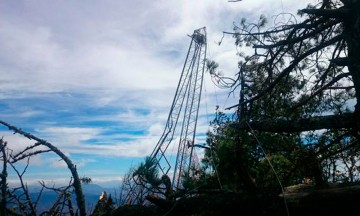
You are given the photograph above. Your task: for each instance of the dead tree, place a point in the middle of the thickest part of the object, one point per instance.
(26, 154)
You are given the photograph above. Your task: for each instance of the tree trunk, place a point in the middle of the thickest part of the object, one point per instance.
(352, 37)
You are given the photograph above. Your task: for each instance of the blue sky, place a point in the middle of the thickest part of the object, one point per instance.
(97, 78)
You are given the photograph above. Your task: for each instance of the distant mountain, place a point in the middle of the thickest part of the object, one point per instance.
(92, 193)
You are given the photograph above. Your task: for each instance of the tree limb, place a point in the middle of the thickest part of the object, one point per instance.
(300, 125)
(340, 61)
(329, 13)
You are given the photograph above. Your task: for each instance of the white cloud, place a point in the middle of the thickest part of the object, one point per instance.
(69, 135)
(16, 142)
(57, 162)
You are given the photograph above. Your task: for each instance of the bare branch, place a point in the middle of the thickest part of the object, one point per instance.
(14, 160)
(24, 187)
(26, 149)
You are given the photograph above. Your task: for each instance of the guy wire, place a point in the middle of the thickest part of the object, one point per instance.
(277, 177)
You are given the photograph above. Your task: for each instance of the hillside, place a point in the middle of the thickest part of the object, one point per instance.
(298, 200)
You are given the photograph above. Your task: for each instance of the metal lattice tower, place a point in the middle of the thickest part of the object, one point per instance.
(184, 111)
(182, 120)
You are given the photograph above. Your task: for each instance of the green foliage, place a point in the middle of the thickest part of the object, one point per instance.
(229, 154)
(199, 180)
(85, 180)
(148, 172)
(274, 170)
(242, 163)
(211, 66)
